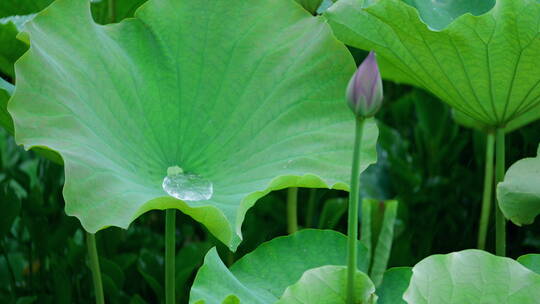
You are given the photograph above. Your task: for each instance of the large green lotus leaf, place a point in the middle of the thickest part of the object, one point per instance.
(531, 261)
(6, 90)
(327, 285)
(472, 276)
(263, 275)
(395, 282)
(525, 119)
(485, 66)
(246, 94)
(519, 193)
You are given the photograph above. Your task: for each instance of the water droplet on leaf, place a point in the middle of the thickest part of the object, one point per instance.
(186, 186)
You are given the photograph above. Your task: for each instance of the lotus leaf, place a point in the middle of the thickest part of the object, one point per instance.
(247, 95)
(519, 194)
(326, 285)
(472, 276)
(263, 275)
(531, 261)
(480, 57)
(395, 282)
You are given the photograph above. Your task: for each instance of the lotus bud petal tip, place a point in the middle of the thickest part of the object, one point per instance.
(365, 90)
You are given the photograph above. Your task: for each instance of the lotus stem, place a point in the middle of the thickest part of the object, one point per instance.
(312, 201)
(292, 208)
(353, 213)
(10, 270)
(170, 244)
(94, 267)
(112, 11)
(500, 221)
(488, 191)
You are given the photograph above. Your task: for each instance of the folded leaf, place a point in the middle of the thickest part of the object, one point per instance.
(384, 213)
(6, 89)
(12, 48)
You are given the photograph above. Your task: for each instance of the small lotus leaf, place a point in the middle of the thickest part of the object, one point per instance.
(263, 275)
(531, 261)
(519, 193)
(327, 285)
(472, 276)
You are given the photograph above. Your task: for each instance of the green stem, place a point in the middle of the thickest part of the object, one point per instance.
(31, 268)
(112, 11)
(500, 221)
(312, 201)
(170, 244)
(12, 279)
(230, 258)
(353, 213)
(94, 267)
(488, 191)
(292, 206)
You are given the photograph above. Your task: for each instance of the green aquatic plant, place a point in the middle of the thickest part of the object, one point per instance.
(477, 56)
(120, 136)
(240, 108)
(364, 97)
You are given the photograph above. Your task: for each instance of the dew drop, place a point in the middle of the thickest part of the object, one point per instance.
(186, 186)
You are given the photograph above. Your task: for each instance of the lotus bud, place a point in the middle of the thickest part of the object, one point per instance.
(365, 91)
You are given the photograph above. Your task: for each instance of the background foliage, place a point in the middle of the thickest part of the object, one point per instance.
(426, 161)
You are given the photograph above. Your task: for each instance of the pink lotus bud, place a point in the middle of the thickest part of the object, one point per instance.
(365, 91)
